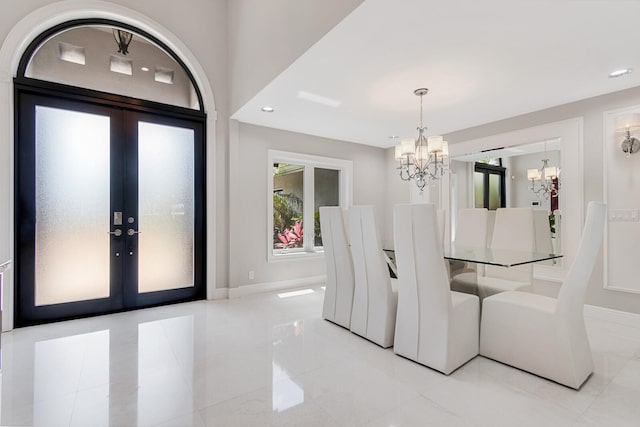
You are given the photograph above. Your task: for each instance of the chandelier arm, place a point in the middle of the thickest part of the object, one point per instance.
(407, 174)
(410, 175)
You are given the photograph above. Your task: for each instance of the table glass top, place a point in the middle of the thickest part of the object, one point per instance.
(498, 257)
(488, 256)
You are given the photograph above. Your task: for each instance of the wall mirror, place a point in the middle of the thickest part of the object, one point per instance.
(501, 178)
(475, 181)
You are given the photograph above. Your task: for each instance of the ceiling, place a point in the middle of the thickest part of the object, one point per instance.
(482, 62)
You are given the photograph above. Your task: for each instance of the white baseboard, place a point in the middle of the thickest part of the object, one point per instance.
(610, 315)
(258, 288)
(219, 293)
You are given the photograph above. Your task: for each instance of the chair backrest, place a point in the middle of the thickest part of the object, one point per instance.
(338, 297)
(491, 222)
(424, 297)
(513, 230)
(543, 231)
(471, 227)
(372, 297)
(574, 287)
(442, 223)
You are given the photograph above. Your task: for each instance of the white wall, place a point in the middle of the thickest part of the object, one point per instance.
(265, 37)
(249, 195)
(622, 190)
(592, 111)
(462, 189)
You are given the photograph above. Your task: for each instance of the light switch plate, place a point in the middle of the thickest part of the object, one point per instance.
(624, 215)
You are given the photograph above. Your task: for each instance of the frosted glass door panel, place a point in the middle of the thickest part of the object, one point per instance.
(494, 192)
(72, 206)
(165, 207)
(478, 186)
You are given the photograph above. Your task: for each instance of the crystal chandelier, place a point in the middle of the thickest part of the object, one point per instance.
(422, 158)
(545, 181)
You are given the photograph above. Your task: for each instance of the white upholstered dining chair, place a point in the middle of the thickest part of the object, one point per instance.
(543, 335)
(442, 223)
(491, 222)
(434, 325)
(471, 230)
(542, 231)
(513, 230)
(374, 298)
(338, 294)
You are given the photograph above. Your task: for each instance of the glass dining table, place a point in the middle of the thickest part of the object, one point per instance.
(497, 257)
(487, 256)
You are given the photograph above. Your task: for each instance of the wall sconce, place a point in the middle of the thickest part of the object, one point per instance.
(630, 144)
(123, 39)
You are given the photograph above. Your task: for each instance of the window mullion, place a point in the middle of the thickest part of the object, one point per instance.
(307, 220)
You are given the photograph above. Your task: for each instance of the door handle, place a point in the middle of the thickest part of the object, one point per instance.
(117, 232)
(131, 232)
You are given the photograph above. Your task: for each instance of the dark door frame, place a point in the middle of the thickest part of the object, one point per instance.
(26, 89)
(487, 169)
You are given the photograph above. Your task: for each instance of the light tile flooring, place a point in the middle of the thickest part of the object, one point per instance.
(263, 360)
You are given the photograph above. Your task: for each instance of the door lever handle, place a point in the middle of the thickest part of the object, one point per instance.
(117, 232)
(131, 232)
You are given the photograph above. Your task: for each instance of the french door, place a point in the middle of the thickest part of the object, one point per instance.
(489, 186)
(109, 208)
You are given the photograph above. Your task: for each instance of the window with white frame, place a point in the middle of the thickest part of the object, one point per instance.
(299, 185)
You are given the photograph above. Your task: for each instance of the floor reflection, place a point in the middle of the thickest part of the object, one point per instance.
(252, 362)
(160, 378)
(116, 376)
(40, 378)
(288, 339)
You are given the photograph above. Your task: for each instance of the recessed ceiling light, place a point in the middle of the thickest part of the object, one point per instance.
(621, 72)
(268, 109)
(393, 137)
(144, 68)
